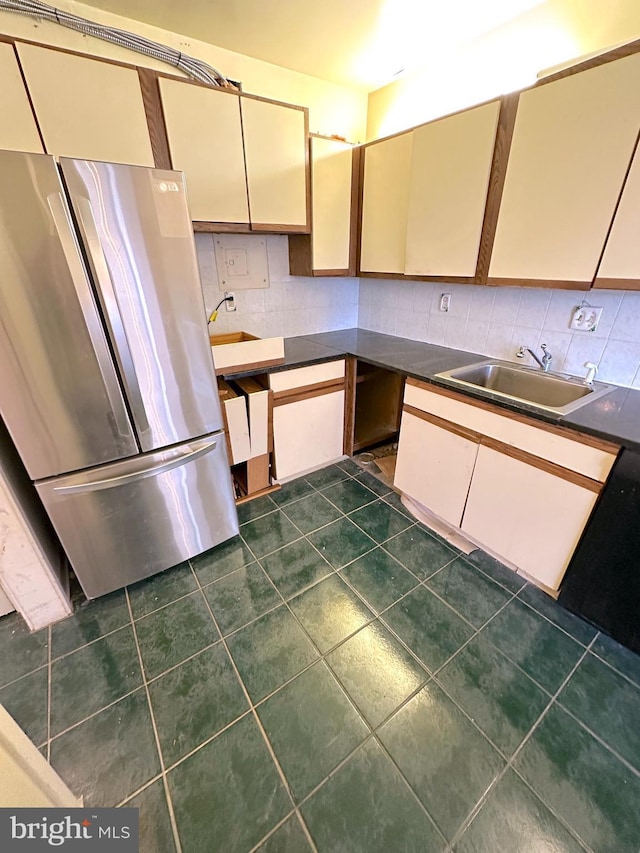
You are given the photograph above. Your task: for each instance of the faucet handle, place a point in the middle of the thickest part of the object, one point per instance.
(592, 369)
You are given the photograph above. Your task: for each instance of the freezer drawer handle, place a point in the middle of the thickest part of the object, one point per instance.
(152, 470)
(64, 229)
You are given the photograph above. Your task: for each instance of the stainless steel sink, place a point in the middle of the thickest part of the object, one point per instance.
(551, 391)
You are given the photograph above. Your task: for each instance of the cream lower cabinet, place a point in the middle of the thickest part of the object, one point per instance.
(519, 489)
(308, 417)
(529, 516)
(435, 464)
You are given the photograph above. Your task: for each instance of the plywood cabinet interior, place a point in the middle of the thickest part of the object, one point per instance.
(327, 250)
(18, 130)
(620, 264)
(275, 143)
(387, 171)
(449, 179)
(526, 515)
(204, 132)
(571, 147)
(87, 108)
(434, 466)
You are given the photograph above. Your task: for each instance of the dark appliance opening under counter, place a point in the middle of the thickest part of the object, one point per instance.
(107, 381)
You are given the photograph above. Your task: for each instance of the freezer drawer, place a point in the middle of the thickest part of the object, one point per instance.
(123, 522)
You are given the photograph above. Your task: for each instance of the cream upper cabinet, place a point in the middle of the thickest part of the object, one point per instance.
(275, 143)
(449, 179)
(330, 203)
(620, 264)
(87, 108)
(18, 130)
(205, 141)
(387, 169)
(572, 143)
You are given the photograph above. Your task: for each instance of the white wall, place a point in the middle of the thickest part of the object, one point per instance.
(290, 306)
(495, 321)
(332, 109)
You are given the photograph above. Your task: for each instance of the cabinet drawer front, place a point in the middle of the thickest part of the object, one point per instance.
(546, 444)
(300, 377)
(434, 466)
(308, 434)
(526, 515)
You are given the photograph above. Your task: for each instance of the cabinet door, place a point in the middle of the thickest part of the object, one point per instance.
(308, 433)
(87, 108)
(435, 463)
(275, 144)
(572, 144)
(205, 142)
(449, 180)
(331, 203)
(526, 514)
(620, 264)
(18, 131)
(385, 198)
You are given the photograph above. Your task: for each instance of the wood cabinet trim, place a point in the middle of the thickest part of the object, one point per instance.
(280, 228)
(504, 135)
(397, 276)
(561, 284)
(563, 432)
(154, 113)
(225, 371)
(355, 227)
(542, 464)
(449, 426)
(304, 392)
(201, 226)
(350, 380)
(616, 284)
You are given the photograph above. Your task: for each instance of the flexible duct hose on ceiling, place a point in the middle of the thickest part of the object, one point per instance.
(195, 68)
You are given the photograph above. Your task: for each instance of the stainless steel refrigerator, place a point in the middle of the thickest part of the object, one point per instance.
(107, 383)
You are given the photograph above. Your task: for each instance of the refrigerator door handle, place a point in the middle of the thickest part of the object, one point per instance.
(94, 249)
(66, 234)
(196, 449)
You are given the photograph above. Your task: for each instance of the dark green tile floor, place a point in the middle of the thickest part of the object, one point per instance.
(337, 678)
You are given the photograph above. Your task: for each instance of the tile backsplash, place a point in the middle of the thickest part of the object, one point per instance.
(289, 306)
(496, 321)
(493, 321)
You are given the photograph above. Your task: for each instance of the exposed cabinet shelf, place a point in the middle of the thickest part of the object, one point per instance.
(377, 406)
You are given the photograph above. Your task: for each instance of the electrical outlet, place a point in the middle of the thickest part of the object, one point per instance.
(445, 302)
(585, 318)
(230, 305)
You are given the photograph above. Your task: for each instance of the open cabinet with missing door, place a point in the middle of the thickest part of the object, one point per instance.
(377, 406)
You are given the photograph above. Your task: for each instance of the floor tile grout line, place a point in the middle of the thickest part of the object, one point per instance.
(510, 764)
(632, 681)
(555, 624)
(95, 713)
(600, 739)
(252, 707)
(139, 791)
(175, 666)
(23, 676)
(49, 691)
(368, 726)
(172, 817)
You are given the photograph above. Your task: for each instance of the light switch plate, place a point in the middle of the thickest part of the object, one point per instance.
(241, 261)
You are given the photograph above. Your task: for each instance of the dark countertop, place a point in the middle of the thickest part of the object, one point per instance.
(615, 417)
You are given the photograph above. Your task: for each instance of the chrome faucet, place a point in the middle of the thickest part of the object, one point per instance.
(544, 362)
